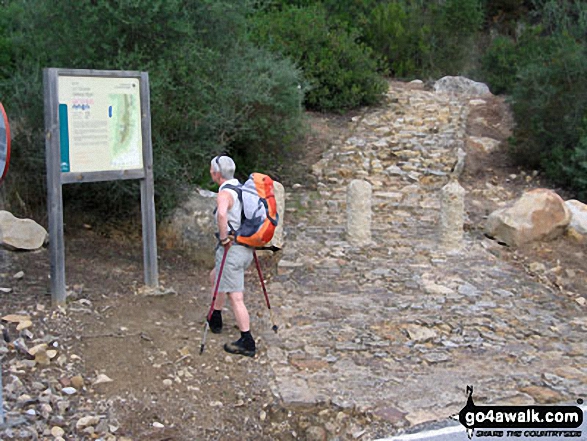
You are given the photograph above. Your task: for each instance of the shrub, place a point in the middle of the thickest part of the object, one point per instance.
(389, 32)
(424, 39)
(342, 73)
(550, 104)
(575, 168)
(499, 65)
(455, 26)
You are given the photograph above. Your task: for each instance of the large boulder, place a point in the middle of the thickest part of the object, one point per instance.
(191, 227)
(278, 240)
(578, 216)
(20, 234)
(538, 214)
(461, 86)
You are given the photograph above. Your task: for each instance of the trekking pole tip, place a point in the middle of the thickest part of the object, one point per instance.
(202, 349)
(274, 328)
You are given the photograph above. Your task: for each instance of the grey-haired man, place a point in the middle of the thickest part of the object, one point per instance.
(238, 258)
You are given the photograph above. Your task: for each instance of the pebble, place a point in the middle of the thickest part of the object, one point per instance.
(77, 381)
(100, 379)
(57, 431)
(87, 421)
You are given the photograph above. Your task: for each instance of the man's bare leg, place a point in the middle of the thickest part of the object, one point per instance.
(239, 309)
(220, 296)
(246, 344)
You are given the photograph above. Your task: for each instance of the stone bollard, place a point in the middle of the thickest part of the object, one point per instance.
(359, 212)
(452, 215)
(278, 236)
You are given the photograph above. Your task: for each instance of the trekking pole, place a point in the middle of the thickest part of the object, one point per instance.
(274, 327)
(209, 316)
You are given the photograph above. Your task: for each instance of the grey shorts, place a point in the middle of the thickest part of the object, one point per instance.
(233, 275)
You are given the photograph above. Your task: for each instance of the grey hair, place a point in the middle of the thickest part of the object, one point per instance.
(225, 165)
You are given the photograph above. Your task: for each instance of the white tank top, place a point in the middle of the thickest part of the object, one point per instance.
(234, 214)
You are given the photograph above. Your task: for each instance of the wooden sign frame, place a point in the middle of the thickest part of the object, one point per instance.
(93, 84)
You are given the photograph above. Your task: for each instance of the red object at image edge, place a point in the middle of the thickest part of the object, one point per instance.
(7, 126)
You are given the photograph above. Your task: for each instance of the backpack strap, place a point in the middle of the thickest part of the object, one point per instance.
(239, 192)
(237, 188)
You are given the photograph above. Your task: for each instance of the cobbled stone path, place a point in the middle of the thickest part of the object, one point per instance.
(400, 328)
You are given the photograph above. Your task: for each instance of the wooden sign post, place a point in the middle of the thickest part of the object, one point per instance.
(97, 128)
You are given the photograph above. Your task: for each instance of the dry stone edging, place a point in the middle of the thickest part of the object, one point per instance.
(350, 313)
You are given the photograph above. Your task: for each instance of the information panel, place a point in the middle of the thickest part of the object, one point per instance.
(100, 124)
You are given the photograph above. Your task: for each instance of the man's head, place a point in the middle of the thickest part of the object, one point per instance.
(222, 167)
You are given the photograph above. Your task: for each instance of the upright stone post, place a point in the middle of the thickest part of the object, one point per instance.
(278, 236)
(359, 212)
(452, 215)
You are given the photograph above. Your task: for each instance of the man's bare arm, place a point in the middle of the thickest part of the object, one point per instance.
(224, 202)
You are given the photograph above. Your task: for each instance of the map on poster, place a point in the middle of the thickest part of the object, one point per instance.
(99, 124)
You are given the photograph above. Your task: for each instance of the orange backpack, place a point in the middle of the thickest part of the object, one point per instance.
(259, 214)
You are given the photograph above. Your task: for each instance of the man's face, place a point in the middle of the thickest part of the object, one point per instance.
(214, 175)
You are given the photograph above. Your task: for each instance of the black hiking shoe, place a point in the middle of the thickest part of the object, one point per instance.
(241, 347)
(215, 322)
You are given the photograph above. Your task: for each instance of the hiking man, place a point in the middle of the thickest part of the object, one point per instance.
(238, 258)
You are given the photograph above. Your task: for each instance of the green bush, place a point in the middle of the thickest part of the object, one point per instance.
(550, 104)
(499, 65)
(342, 73)
(424, 39)
(455, 27)
(389, 33)
(575, 168)
(211, 90)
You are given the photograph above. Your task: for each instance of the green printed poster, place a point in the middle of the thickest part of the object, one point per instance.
(102, 118)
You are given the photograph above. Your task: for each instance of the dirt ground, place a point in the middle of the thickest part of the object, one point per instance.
(149, 344)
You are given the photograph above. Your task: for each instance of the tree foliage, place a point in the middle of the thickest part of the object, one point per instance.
(544, 70)
(342, 72)
(212, 90)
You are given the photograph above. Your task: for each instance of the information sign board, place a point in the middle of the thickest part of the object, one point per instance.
(100, 123)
